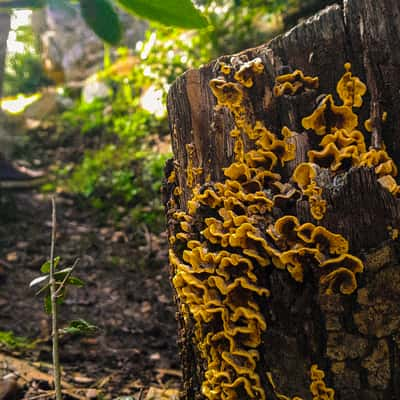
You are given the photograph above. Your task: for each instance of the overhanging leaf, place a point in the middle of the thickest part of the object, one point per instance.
(102, 18)
(169, 12)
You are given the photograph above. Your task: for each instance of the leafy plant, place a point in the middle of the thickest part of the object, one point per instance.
(54, 282)
(24, 71)
(62, 278)
(9, 340)
(101, 16)
(103, 19)
(79, 327)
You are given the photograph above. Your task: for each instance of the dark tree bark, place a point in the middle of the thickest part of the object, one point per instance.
(4, 30)
(354, 338)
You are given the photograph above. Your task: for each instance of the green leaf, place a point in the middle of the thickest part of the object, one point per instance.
(79, 327)
(47, 302)
(180, 13)
(73, 280)
(13, 342)
(101, 16)
(45, 268)
(62, 272)
(39, 280)
(22, 4)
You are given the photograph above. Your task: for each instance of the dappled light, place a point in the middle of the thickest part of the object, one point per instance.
(16, 105)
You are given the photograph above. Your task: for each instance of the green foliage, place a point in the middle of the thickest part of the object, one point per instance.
(124, 171)
(89, 118)
(63, 278)
(121, 170)
(239, 24)
(180, 13)
(80, 327)
(12, 342)
(45, 268)
(24, 71)
(101, 16)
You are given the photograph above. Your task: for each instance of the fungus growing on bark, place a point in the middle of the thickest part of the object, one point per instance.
(328, 241)
(228, 93)
(228, 239)
(294, 83)
(350, 88)
(304, 175)
(247, 71)
(380, 160)
(329, 117)
(225, 68)
(340, 273)
(318, 387)
(388, 182)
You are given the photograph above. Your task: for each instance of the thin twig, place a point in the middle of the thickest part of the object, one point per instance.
(54, 316)
(64, 281)
(49, 393)
(141, 393)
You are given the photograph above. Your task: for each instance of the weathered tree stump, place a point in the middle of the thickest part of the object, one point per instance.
(270, 322)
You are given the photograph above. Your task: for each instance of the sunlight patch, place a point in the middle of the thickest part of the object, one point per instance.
(16, 105)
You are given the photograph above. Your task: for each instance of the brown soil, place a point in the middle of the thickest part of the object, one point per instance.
(127, 296)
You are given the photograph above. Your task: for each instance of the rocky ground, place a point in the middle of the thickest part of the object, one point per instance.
(127, 296)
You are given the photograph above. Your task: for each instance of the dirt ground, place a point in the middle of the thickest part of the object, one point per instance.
(127, 296)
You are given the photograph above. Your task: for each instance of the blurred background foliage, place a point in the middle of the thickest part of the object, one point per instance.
(119, 169)
(24, 72)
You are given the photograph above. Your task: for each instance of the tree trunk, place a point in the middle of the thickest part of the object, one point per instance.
(4, 30)
(267, 298)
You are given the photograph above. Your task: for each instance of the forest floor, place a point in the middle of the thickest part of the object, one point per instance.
(127, 296)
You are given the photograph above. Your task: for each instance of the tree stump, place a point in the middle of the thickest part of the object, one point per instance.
(284, 213)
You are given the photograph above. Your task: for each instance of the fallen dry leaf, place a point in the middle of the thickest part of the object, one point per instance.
(162, 394)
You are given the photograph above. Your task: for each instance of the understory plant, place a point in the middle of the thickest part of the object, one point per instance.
(54, 283)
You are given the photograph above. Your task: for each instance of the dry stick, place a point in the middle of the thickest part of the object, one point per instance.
(54, 316)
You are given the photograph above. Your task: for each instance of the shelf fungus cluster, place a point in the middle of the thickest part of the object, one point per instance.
(234, 232)
(342, 144)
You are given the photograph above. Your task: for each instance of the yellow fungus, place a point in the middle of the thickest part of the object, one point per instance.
(225, 68)
(388, 182)
(228, 93)
(328, 117)
(350, 89)
(294, 83)
(304, 174)
(230, 231)
(172, 177)
(247, 71)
